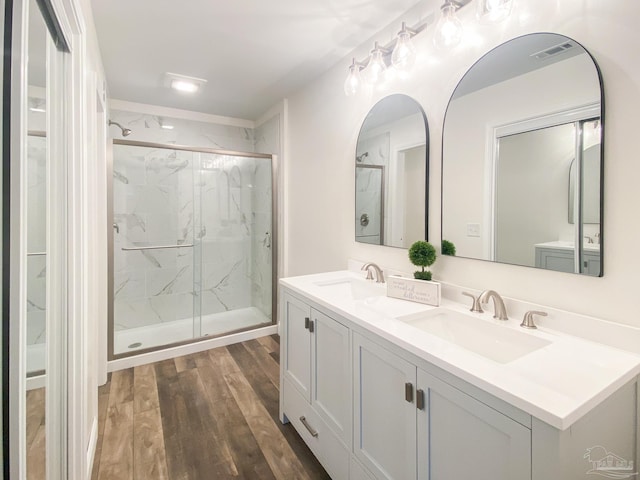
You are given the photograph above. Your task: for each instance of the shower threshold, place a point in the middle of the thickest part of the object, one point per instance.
(159, 335)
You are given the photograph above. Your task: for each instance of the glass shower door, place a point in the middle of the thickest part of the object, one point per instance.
(235, 243)
(153, 254)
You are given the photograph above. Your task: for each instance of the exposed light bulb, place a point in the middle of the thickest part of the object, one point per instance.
(404, 53)
(376, 68)
(493, 11)
(449, 28)
(354, 80)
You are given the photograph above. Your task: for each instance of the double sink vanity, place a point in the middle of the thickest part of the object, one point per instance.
(383, 388)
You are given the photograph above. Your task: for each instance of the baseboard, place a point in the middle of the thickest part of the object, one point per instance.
(173, 352)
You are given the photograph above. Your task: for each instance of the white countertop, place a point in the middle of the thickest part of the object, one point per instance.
(558, 383)
(566, 245)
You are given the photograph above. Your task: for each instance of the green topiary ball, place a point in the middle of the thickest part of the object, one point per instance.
(422, 254)
(448, 248)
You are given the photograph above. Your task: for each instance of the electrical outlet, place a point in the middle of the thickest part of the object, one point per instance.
(473, 229)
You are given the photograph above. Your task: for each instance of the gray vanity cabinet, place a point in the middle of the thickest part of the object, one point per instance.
(562, 260)
(409, 424)
(461, 437)
(371, 410)
(384, 411)
(316, 386)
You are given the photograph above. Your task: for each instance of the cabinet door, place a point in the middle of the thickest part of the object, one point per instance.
(385, 416)
(297, 344)
(331, 374)
(591, 263)
(460, 437)
(555, 259)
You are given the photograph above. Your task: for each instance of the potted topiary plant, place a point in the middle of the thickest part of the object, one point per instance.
(422, 254)
(448, 248)
(420, 288)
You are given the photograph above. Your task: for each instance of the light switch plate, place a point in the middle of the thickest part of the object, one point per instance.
(473, 229)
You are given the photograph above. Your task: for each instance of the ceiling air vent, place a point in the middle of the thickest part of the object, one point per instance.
(553, 51)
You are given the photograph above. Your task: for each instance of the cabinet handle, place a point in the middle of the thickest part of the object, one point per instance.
(408, 392)
(306, 322)
(313, 433)
(311, 326)
(420, 399)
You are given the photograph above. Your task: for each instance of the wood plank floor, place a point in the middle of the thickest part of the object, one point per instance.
(210, 415)
(35, 427)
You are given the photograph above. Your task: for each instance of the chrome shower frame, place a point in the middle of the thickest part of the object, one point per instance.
(110, 222)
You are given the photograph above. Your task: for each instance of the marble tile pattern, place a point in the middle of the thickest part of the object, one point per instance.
(36, 239)
(267, 140)
(375, 151)
(219, 204)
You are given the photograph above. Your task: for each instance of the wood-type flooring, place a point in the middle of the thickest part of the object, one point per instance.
(206, 416)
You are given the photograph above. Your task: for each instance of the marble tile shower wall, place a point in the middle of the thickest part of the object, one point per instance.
(36, 239)
(153, 192)
(267, 140)
(371, 151)
(164, 197)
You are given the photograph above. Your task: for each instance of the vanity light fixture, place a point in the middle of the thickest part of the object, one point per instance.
(377, 66)
(399, 55)
(182, 83)
(493, 11)
(449, 27)
(404, 53)
(37, 110)
(354, 80)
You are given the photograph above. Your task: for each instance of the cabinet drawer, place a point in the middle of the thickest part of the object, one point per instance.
(326, 446)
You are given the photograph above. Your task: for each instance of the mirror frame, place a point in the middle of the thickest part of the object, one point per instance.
(598, 71)
(386, 188)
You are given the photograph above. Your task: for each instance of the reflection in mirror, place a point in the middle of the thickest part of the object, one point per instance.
(391, 174)
(36, 221)
(522, 129)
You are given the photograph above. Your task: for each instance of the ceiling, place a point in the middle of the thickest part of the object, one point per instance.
(252, 53)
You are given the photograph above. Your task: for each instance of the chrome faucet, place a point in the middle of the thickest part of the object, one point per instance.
(499, 310)
(379, 275)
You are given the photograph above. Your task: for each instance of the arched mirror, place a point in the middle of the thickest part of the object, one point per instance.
(522, 157)
(391, 174)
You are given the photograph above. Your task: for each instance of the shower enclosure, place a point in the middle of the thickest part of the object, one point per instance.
(192, 245)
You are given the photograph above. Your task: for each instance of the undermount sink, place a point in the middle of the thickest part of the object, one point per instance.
(354, 288)
(495, 342)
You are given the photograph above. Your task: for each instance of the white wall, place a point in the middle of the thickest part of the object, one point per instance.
(320, 182)
(473, 118)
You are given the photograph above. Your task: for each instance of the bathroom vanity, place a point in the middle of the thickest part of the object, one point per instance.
(382, 388)
(560, 256)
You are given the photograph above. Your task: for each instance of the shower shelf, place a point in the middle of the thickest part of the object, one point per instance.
(156, 247)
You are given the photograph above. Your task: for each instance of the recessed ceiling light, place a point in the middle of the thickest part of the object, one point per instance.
(184, 86)
(167, 127)
(182, 83)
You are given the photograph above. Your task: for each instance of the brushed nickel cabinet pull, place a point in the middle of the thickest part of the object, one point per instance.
(313, 433)
(306, 323)
(408, 392)
(420, 399)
